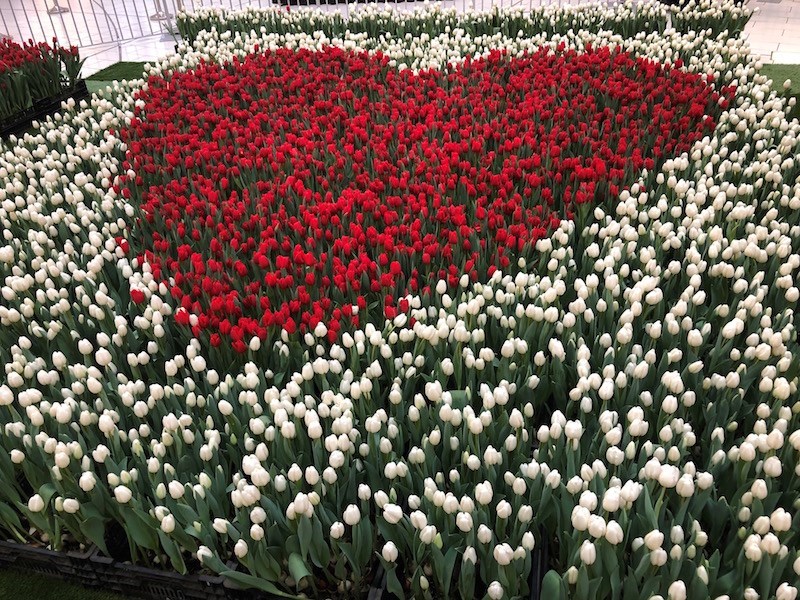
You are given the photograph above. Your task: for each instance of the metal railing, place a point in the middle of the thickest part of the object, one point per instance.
(87, 23)
(106, 24)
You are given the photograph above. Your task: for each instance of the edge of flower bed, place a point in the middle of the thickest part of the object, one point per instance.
(71, 566)
(41, 110)
(91, 569)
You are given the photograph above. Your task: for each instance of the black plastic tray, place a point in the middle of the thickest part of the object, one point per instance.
(71, 566)
(40, 110)
(153, 584)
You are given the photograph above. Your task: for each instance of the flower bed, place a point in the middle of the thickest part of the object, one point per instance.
(274, 239)
(33, 74)
(622, 391)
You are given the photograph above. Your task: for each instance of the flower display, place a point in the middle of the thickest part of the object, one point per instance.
(321, 184)
(623, 392)
(32, 72)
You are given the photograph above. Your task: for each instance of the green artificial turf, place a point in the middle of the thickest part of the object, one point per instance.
(779, 74)
(18, 584)
(119, 71)
(116, 72)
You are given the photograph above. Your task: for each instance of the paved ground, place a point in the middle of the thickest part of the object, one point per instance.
(773, 32)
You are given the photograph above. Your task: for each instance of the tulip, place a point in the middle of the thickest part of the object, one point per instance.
(503, 554)
(588, 553)
(122, 494)
(389, 552)
(428, 534)
(36, 503)
(168, 524)
(495, 590)
(464, 522)
(352, 515)
(392, 513)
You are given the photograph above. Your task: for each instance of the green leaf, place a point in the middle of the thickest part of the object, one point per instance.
(466, 581)
(142, 532)
(95, 529)
(174, 553)
(47, 491)
(363, 542)
(185, 513)
(9, 516)
(552, 587)
(449, 566)
(393, 584)
(582, 587)
(249, 581)
(298, 568)
(320, 553)
(305, 535)
(349, 552)
(649, 511)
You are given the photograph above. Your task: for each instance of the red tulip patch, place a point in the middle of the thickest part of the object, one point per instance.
(296, 187)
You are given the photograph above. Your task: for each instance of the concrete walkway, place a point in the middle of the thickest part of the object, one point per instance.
(774, 31)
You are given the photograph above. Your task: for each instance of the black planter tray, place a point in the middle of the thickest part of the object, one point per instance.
(41, 110)
(146, 583)
(72, 565)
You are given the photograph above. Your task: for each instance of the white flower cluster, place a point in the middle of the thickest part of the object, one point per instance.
(633, 393)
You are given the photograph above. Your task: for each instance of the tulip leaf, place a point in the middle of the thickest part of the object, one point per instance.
(140, 530)
(393, 584)
(347, 550)
(184, 513)
(466, 580)
(47, 491)
(174, 553)
(277, 515)
(630, 590)
(698, 589)
(363, 542)
(611, 566)
(320, 553)
(649, 587)
(95, 530)
(552, 587)
(9, 516)
(582, 587)
(649, 511)
(304, 534)
(449, 566)
(298, 568)
(616, 583)
(254, 582)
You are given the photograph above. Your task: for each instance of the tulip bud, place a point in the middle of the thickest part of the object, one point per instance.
(495, 590)
(122, 494)
(677, 591)
(588, 553)
(352, 515)
(389, 552)
(240, 549)
(168, 524)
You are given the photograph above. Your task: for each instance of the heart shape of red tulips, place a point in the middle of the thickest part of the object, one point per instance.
(292, 188)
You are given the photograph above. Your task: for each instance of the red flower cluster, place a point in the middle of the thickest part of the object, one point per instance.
(290, 187)
(32, 72)
(14, 56)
